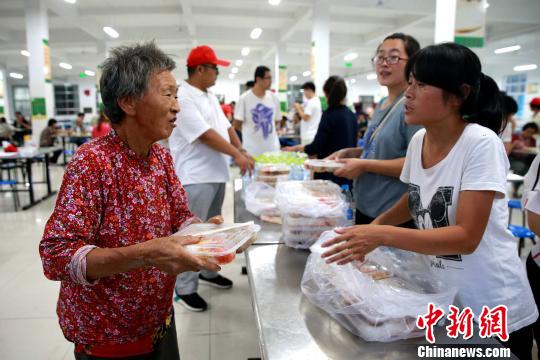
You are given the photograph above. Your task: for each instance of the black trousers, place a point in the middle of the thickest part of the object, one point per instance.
(520, 342)
(363, 219)
(165, 349)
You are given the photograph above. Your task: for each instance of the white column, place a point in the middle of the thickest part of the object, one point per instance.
(39, 65)
(320, 44)
(4, 95)
(445, 20)
(278, 78)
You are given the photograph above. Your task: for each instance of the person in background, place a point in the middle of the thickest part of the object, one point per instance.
(48, 138)
(6, 130)
(376, 168)
(257, 113)
(523, 151)
(310, 114)
(110, 237)
(249, 85)
(23, 126)
(531, 203)
(534, 104)
(337, 129)
(80, 129)
(227, 110)
(201, 145)
(455, 171)
(102, 127)
(510, 107)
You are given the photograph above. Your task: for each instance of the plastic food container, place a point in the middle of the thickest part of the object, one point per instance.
(321, 165)
(219, 242)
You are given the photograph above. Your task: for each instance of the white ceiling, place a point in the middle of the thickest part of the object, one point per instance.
(76, 35)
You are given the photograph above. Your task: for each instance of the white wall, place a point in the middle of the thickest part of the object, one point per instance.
(87, 84)
(363, 87)
(229, 88)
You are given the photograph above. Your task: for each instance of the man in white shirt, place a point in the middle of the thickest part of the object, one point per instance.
(256, 113)
(201, 145)
(310, 114)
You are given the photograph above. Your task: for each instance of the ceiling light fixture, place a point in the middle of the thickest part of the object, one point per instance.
(353, 81)
(525, 67)
(245, 51)
(234, 70)
(350, 57)
(111, 32)
(66, 66)
(16, 75)
(231, 76)
(71, 1)
(507, 49)
(256, 33)
(25, 53)
(239, 62)
(274, 2)
(306, 73)
(293, 78)
(89, 72)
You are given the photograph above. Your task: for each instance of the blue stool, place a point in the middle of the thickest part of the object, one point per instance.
(515, 204)
(522, 233)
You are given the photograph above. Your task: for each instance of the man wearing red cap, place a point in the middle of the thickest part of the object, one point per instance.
(201, 145)
(535, 108)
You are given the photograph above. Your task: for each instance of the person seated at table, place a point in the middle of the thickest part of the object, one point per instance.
(337, 130)
(6, 130)
(47, 138)
(79, 129)
(522, 155)
(102, 127)
(23, 126)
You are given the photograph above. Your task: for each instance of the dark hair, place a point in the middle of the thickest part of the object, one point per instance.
(2, 120)
(510, 106)
(260, 71)
(449, 66)
(411, 44)
(126, 72)
(309, 86)
(51, 122)
(250, 84)
(191, 70)
(530, 125)
(80, 114)
(335, 90)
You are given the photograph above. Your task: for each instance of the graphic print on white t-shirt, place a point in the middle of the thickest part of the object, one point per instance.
(263, 118)
(435, 215)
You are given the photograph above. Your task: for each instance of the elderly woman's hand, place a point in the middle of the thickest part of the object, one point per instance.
(218, 219)
(354, 243)
(168, 254)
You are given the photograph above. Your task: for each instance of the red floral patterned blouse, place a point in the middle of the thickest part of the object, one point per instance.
(111, 198)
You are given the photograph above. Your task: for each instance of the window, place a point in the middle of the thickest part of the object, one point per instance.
(66, 99)
(21, 100)
(515, 87)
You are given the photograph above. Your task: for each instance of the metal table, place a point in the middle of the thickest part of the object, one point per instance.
(289, 326)
(42, 154)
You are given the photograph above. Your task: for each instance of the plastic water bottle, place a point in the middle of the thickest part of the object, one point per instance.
(350, 204)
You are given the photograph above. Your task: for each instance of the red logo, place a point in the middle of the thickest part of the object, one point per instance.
(493, 322)
(460, 322)
(429, 320)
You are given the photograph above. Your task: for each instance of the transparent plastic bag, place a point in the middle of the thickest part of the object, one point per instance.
(310, 198)
(378, 300)
(219, 242)
(301, 232)
(260, 199)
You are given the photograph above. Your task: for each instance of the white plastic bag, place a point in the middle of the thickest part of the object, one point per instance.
(376, 310)
(308, 208)
(260, 199)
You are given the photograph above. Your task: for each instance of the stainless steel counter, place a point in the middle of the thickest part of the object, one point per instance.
(290, 327)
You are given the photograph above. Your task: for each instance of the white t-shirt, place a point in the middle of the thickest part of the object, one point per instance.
(258, 116)
(493, 274)
(531, 198)
(194, 161)
(308, 129)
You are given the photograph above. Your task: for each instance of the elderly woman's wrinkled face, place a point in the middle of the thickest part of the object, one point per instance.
(156, 111)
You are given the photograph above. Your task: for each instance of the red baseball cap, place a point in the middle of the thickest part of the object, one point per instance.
(535, 102)
(203, 54)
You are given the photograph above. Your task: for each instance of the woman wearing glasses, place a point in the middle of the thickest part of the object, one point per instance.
(376, 168)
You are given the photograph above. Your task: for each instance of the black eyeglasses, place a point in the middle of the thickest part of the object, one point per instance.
(214, 67)
(390, 60)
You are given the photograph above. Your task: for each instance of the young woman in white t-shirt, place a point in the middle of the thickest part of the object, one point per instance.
(456, 171)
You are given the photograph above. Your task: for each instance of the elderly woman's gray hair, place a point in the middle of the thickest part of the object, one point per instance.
(126, 72)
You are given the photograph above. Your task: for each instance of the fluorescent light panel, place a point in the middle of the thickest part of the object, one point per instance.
(111, 32)
(507, 49)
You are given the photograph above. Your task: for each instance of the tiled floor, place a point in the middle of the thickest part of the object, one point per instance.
(28, 322)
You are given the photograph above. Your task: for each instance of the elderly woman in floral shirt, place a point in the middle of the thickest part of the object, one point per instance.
(109, 238)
